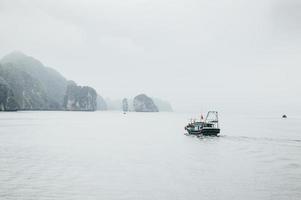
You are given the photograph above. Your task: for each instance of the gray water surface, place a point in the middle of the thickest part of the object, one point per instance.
(146, 156)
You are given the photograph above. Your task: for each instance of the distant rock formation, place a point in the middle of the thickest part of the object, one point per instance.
(7, 98)
(34, 86)
(101, 103)
(27, 84)
(79, 98)
(143, 103)
(125, 105)
(118, 104)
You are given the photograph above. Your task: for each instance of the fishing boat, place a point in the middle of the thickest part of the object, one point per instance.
(207, 127)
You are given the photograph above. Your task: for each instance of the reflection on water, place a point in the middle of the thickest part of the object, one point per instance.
(108, 155)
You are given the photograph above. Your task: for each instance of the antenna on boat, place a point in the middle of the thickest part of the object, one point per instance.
(214, 119)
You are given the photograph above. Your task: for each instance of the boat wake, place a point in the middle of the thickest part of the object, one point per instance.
(263, 139)
(246, 138)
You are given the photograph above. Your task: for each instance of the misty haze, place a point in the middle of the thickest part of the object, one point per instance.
(141, 99)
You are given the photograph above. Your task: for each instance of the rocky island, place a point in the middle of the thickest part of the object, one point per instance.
(127, 104)
(143, 103)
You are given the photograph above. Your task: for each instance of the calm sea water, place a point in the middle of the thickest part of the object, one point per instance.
(146, 156)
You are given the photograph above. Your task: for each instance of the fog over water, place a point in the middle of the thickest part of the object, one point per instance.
(240, 58)
(198, 54)
(146, 156)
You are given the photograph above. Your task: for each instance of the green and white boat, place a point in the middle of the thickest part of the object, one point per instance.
(208, 127)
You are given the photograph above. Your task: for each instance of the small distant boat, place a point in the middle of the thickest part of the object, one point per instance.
(208, 127)
(284, 116)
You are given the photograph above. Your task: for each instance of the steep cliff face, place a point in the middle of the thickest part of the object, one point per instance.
(143, 103)
(7, 98)
(79, 98)
(35, 85)
(27, 90)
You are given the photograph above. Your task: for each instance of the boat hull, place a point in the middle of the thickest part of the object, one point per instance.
(205, 131)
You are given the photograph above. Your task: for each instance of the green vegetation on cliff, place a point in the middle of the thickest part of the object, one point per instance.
(79, 98)
(7, 98)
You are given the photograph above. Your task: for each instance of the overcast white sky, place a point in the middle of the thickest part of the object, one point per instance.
(197, 54)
